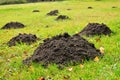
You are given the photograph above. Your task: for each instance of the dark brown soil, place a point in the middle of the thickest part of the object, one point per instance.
(63, 50)
(14, 25)
(35, 11)
(62, 17)
(22, 38)
(90, 7)
(53, 13)
(95, 29)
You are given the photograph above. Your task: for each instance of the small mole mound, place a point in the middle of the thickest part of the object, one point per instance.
(22, 38)
(47, 26)
(35, 11)
(62, 17)
(53, 13)
(69, 9)
(98, 0)
(14, 25)
(95, 29)
(114, 7)
(90, 7)
(63, 50)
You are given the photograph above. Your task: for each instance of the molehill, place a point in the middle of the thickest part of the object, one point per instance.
(22, 38)
(35, 10)
(63, 50)
(62, 17)
(53, 13)
(14, 25)
(96, 29)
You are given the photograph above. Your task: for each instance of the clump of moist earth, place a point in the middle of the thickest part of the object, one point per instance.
(63, 50)
(96, 29)
(35, 11)
(14, 25)
(53, 13)
(22, 38)
(62, 17)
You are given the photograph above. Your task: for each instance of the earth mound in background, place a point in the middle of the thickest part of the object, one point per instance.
(69, 9)
(36, 10)
(114, 7)
(63, 50)
(53, 13)
(14, 25)
(90, 7)
(22, 38)
(95, 29)
(62, 17)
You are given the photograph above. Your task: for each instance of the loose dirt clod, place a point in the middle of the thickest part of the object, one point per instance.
(35, 11)
(53, 13)
(95, 29)
(62, 17)
(63, 50)
(22, 38)
(13, 25)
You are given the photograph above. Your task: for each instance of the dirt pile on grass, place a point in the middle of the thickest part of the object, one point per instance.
(13, 25)
(98, 0)
(53, 13)
(114, 7)
(62, 17)
(36, 10)
(95, 29)
(63, 49)
(90, 7)
(22, 38)
(69, 9)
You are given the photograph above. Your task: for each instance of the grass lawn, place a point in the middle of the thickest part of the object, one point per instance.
(107, 68)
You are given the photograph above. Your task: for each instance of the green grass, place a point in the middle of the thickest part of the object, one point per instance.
(11, 66)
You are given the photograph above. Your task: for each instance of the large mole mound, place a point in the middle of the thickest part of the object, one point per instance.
(13, 25)
(95, 29)
(63, 49)
(22, 38)
(53, 13)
